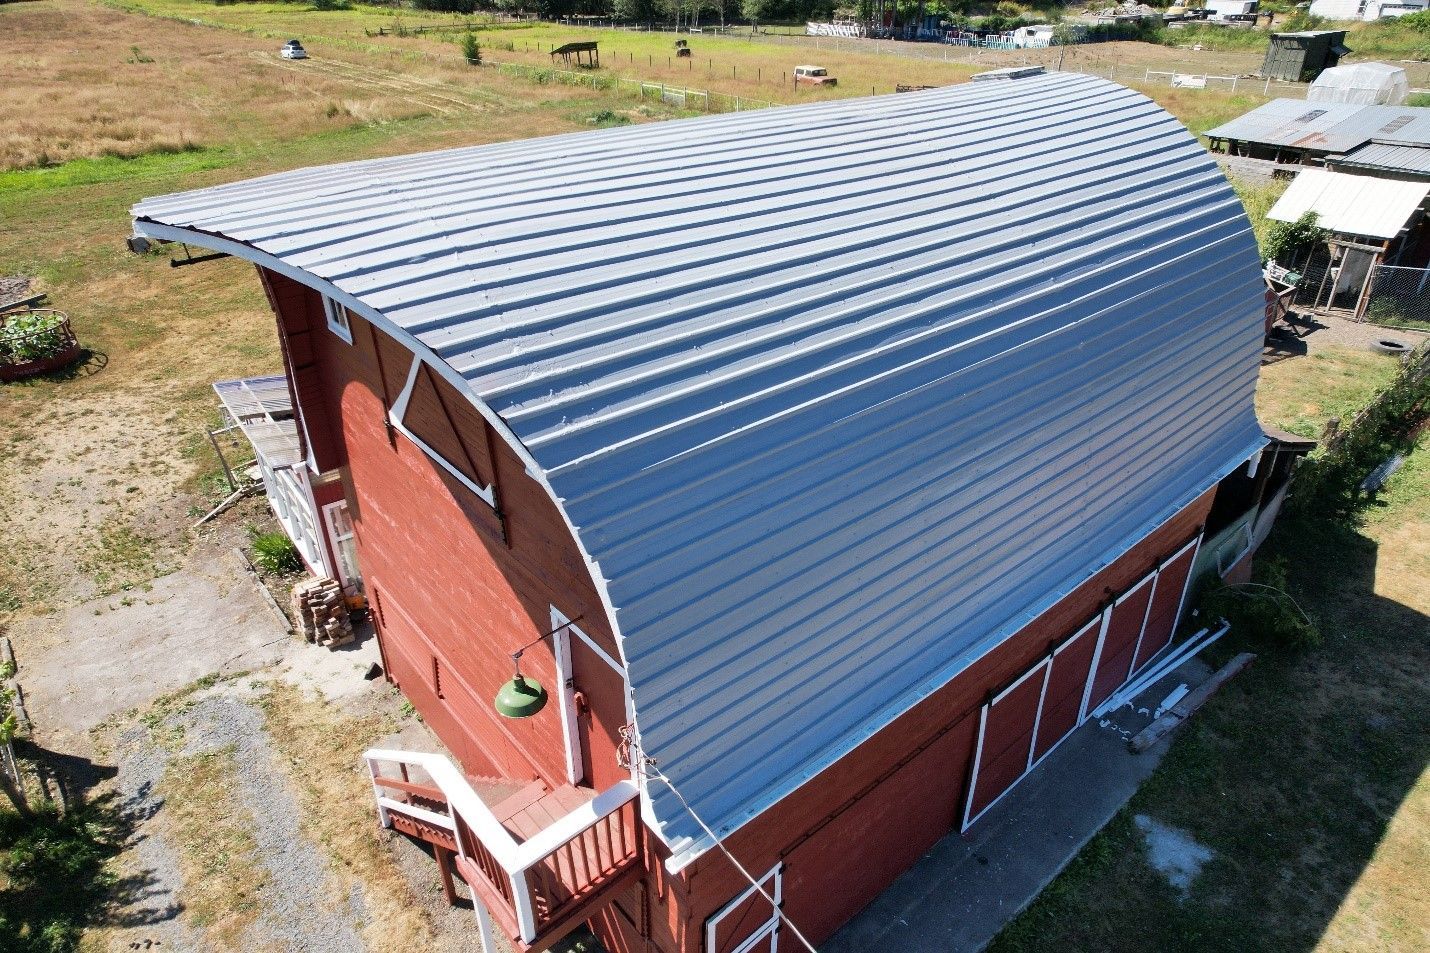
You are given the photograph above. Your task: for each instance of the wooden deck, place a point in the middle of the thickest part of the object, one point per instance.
(565, 886)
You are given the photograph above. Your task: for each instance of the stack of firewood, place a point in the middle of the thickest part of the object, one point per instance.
(322, 612)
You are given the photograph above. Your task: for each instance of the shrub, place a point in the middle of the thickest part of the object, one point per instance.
(471, 49)
(274, 552)
(1327, 486)
(31, 336)
(606, 118)
(1285, 240)
(1262, 610)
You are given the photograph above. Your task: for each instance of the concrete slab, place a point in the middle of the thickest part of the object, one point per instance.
(122, 651)
(963, 891)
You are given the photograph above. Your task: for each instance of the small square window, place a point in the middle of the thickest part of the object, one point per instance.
(337, 319)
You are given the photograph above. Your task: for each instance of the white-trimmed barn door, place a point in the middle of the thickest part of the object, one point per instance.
(1062, 709)
(1125, 621)
(748, 924)
(1007, 725)
(1021, 725)
(1173, 576)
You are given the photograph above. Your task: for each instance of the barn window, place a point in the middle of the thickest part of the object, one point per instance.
(337, 319)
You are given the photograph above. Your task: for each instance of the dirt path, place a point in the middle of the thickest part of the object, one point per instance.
(298, 904)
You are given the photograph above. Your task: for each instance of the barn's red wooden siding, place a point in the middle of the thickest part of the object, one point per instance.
(441, 567)
(439, 559)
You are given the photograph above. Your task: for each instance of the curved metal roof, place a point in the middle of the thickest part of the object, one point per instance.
(836, 397)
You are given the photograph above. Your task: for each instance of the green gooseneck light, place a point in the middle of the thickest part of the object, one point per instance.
(521, 697)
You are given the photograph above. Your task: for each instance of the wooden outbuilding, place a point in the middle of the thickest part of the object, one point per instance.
(1300, 57)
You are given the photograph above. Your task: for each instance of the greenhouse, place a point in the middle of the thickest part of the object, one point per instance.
(1371, 84)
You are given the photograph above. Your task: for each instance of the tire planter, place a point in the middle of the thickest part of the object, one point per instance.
(1387, 346)
(59, 352)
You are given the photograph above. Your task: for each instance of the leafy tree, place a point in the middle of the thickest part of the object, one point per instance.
(755, 11)
(637, 11)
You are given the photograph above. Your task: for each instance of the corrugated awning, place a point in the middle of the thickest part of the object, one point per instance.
(263, 409)
(1352, 204)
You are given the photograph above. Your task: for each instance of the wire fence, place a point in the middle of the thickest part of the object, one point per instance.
(1399, 296)
(681, 97)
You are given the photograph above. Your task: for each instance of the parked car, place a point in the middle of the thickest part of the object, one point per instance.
(293, 50)
(813, 76)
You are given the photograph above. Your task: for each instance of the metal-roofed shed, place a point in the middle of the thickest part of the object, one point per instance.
(1300, 57)
(835, 398)
(1352, 204)
(1386, 159)
(1295, 130)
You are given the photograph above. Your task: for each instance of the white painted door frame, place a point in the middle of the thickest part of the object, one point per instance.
(1041, 670)
(566, 689)
(335, 541)
(1101, 623)
(566, 699)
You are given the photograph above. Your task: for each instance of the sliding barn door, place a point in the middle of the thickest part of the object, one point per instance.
(1024, 722)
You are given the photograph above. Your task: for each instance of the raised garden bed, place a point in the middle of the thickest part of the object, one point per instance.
(34, 341)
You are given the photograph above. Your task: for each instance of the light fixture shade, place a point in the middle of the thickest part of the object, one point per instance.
(521, 697)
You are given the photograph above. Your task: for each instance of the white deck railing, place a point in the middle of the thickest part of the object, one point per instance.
(519, 872)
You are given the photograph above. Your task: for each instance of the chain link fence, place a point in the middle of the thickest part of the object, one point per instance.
(1399, 296)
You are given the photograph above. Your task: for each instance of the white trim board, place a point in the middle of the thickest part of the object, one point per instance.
(770, 928)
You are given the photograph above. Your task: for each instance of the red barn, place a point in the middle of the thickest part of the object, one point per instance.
(829, 465)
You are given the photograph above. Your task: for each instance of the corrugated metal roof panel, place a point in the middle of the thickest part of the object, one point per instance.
(1351, 204)
(263, 409)
(1387, 157)
(837, 397)
(1326, 127)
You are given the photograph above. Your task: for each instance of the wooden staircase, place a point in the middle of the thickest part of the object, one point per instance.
(538, 861)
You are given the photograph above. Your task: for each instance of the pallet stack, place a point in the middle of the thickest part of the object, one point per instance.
(322, 612)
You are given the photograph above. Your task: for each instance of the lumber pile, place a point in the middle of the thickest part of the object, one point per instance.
(322, 612)
(1188, 704)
